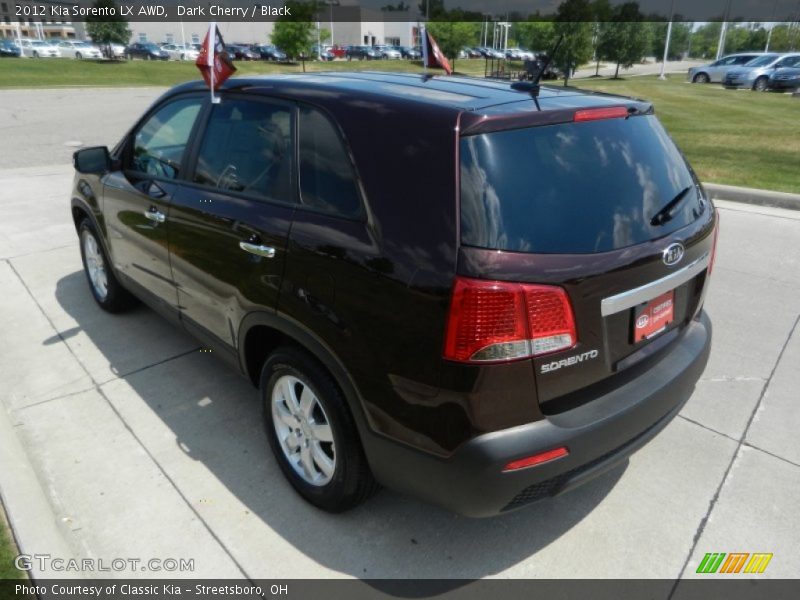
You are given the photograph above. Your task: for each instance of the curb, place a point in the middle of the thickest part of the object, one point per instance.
(717, 191)
(33, 522)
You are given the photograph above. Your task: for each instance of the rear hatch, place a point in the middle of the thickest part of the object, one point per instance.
(581, 205)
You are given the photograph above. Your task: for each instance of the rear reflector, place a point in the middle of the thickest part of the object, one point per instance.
(595, 114)
(536, 459)
(492, 321)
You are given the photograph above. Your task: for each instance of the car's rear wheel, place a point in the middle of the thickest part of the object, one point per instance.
(105, 288)
(35, 54)
(78, 55)
(760, 84)
(312, 432)
(701, 78)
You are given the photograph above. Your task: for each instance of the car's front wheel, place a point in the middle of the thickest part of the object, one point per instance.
(701, 78)
(312, 432)
(760, 84)
(105, 288)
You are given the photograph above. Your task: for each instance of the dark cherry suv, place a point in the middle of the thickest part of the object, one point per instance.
(443, 285)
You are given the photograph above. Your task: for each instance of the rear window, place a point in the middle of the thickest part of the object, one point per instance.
(573, 188)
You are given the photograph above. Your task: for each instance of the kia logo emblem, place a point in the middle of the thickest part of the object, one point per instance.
(672, 254)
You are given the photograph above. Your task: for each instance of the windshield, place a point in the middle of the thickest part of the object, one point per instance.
(573, 188)
(762, 61)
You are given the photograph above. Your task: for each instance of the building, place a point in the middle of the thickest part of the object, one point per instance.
(33, 22)
(346, 21)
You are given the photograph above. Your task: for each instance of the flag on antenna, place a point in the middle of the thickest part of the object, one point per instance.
(432, 56)
(213, 61)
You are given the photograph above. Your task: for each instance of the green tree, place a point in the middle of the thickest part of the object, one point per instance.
(107, 30)
(625, 39)
(678, 42)
(573, 21)
(538, 36)
(453, 36)
(295, 38)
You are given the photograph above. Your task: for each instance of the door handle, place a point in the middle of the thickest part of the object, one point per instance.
(155, 215)
(257, 249)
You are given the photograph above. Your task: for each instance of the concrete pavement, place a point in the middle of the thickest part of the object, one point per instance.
(139, 445)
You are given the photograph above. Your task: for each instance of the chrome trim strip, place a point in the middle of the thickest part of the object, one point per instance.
(630, 298)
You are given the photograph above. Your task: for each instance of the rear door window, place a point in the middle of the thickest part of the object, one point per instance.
(573, 188)
(327, 180)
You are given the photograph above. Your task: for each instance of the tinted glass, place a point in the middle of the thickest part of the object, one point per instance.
(327, 181)
(741, 60)
(762, 61)
(573, 188)
(159, 145)
(247, 148)
(789, 61)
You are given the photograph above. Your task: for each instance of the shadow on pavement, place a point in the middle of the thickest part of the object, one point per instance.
(213, 416)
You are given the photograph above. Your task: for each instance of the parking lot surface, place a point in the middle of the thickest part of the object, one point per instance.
(119, 438)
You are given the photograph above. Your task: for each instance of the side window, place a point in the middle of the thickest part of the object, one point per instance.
(327, 180)
(159, 144)
(247, 148)
(743, 60)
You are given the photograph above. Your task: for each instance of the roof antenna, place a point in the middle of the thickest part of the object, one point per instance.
(533, 87)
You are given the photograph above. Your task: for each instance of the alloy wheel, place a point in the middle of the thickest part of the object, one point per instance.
(303, 430)
(95, 265)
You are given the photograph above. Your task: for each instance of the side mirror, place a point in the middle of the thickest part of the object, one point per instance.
(92, 161)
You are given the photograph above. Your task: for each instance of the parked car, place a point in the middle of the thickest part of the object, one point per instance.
(410, 53)
(269, 53)
(755, 74)
(79, 49)
(471, 52)
(785, 78)
(715, 72)
(389, 52)
(362, 53)
(114, 50)
(242, 52)
(8, 49)
(38, 49)
(481, 354)
(145, 51)
(322, 52)
(180, 51)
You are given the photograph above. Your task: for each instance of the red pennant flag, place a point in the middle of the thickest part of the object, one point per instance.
(432, 56)
(214, 63)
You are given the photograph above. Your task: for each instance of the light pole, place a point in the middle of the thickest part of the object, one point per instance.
(332, 3)
(721, 43)
(666, 42)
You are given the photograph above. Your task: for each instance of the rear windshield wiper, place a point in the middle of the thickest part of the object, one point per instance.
(666, 213)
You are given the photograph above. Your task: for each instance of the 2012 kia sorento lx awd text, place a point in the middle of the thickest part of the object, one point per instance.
(442, 285)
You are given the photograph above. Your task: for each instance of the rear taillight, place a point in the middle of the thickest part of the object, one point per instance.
(500, 321)
(595, 114)
(714, 243)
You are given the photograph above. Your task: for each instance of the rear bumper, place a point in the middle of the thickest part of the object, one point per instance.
(599, 435)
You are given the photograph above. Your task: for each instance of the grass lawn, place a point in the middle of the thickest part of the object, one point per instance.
(732, 137)
(8, 551)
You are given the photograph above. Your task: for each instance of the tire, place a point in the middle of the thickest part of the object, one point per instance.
(106, 290)
(35, 54)
(760, 84)
(129, 57)
(79, 56)
(701, 78)
(322, 456)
